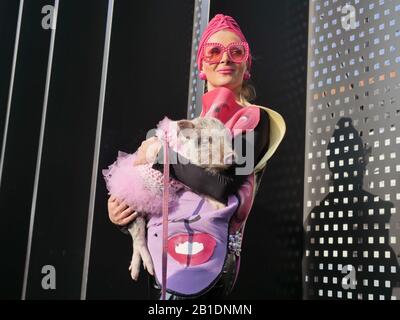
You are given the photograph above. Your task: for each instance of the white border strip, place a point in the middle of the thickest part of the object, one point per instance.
(95, 166)
(39, 155)
(196, 86)
(11, 88)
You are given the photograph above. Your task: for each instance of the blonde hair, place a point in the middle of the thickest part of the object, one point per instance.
(247, 92)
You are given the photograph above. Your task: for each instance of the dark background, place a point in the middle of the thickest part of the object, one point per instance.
(271, 256)
(148, 76)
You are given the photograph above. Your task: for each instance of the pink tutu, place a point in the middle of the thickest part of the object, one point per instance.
(140, 186)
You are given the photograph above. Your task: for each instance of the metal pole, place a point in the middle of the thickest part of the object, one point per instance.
(11, 88)
(95, 165)
(40, 149)
(196, 86)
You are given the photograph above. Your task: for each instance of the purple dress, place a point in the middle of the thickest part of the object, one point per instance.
(197, 243)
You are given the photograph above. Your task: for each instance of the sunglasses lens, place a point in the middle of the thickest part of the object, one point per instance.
(212, 54)
(237, 53)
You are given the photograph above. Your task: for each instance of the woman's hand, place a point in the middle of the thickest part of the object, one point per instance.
(148, 151)
(119, 212)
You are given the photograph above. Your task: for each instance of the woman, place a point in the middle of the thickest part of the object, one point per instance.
(214, 236)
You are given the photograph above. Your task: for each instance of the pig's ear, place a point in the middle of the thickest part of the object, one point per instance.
(185, 124)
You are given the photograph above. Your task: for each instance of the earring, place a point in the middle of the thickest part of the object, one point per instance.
(247, 75)
(202, 75)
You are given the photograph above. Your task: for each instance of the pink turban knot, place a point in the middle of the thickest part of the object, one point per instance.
(218, 23)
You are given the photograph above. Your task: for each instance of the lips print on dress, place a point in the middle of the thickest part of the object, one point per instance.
(191, 250)
(197, 242)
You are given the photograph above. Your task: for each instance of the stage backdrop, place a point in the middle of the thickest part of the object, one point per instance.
(351, 184)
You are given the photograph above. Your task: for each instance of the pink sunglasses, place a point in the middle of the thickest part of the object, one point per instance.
(237, 52)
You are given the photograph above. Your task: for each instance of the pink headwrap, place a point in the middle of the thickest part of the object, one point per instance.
(218, 23)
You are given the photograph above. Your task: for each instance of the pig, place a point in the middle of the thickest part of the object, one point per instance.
(204, 141)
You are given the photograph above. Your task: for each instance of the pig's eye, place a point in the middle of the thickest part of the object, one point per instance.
(187, 134)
